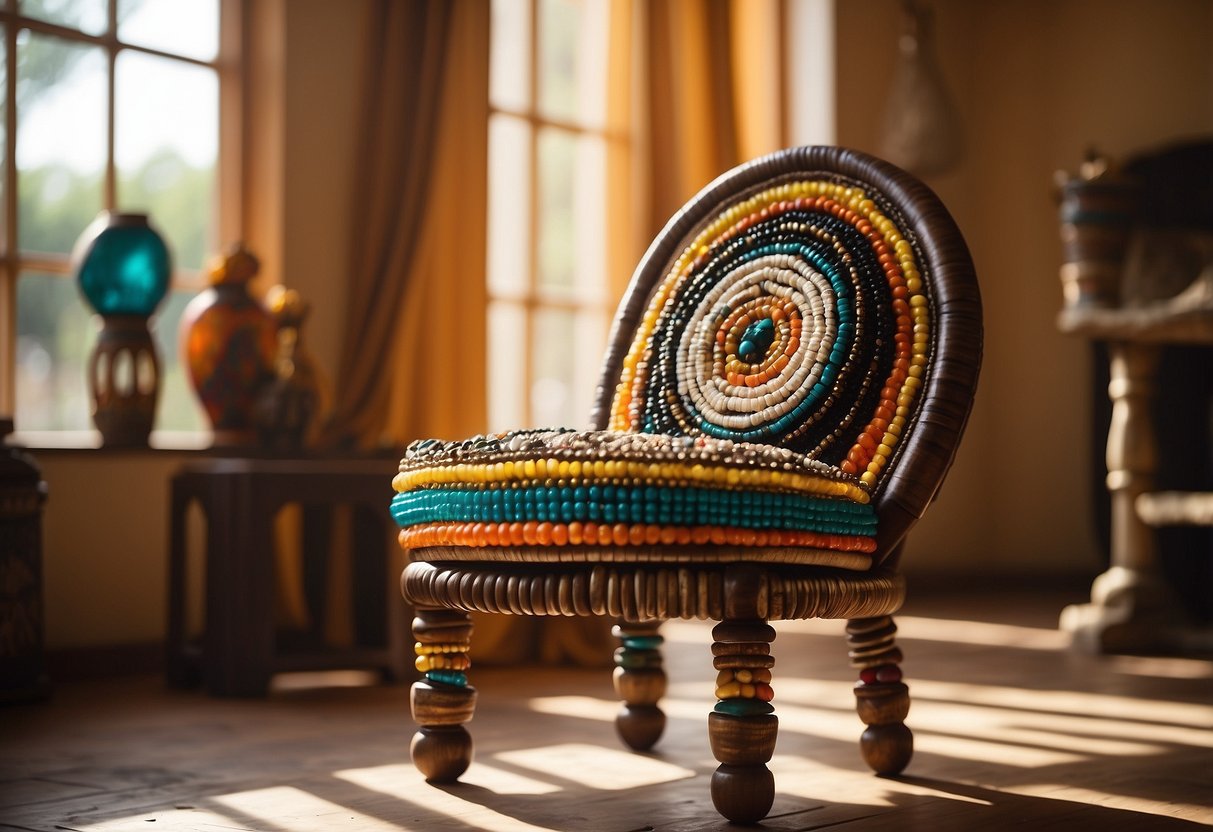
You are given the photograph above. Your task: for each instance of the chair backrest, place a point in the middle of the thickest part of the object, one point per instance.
(818, 299)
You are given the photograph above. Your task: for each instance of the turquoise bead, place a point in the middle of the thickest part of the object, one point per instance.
(743, 707)
(456, 678)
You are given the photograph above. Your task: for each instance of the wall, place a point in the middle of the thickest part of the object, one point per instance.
(1036, 83)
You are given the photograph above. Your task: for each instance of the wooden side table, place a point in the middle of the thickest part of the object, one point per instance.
(1132, 608)
(241, 649)
(1138, 276)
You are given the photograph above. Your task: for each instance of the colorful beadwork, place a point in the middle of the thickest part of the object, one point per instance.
(798, 317)
(444, 663)
(743, 683)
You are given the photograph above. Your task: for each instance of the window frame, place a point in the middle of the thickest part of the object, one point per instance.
(532, 299)
(227, 219)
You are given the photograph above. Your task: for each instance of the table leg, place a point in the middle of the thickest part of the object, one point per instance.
(1131, 608)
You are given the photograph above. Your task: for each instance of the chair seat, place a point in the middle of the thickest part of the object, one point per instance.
(564, 496)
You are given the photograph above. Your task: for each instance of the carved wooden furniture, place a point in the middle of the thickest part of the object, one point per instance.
(1138, 276)
(240, 497)
(788, 377)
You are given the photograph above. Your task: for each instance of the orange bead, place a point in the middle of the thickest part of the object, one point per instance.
(560, 534)
(543, 533)
(605, 537)
(636, 535)
(576, 532)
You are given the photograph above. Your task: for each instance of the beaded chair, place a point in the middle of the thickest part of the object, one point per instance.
(788, 377)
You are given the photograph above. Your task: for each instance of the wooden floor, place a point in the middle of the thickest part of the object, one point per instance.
(1011, 731)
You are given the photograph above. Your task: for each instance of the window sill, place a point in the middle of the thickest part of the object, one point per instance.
(68, 441)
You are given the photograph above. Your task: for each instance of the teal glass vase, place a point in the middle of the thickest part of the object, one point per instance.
(123, 268)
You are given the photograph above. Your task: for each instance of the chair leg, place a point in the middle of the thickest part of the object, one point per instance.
(640, 681)
(881, 698)
(742, 727)
(443, 700)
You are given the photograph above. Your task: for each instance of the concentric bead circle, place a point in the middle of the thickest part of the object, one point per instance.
(796, 317)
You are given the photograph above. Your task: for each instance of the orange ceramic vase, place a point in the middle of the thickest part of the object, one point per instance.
(228, 341)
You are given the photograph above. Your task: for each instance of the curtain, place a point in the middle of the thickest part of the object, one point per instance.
(697, 88)
(412, 357)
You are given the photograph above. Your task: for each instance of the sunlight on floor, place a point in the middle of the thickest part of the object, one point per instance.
(813, 780)
(300, 811)
(1017, 726)
(1136, 803)
(595, 766)
(403, 782)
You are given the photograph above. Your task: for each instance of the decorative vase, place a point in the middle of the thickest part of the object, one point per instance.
(1097, 210)
(289, 404)
(123, 268)
(228, 342)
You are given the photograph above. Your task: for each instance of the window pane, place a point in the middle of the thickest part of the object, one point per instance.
(61, 95)
(166, 137)
(182, 27)
(588, 349)
(510, 55)
(506, 366)
(572, 60)
(589, 214)
(553, 399)
(55, 334)
(509, 248)
(559, 24)
(85, 15)
(178, 408)
(557, 155)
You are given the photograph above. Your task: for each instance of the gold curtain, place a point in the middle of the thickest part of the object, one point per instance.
(412, 358)
(696, 88)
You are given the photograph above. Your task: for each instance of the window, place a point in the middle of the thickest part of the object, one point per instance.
(549, 308)
(108, 104)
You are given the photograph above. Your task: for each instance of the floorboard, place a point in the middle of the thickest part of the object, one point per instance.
(1012, 731)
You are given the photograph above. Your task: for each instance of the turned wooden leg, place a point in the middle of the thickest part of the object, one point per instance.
(742, 727)
(881, 698)
(640, 681)
(443, 700)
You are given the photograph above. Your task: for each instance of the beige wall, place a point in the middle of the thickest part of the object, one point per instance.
(1036, 83)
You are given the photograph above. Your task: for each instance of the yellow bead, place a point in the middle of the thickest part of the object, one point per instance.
(732, 690)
